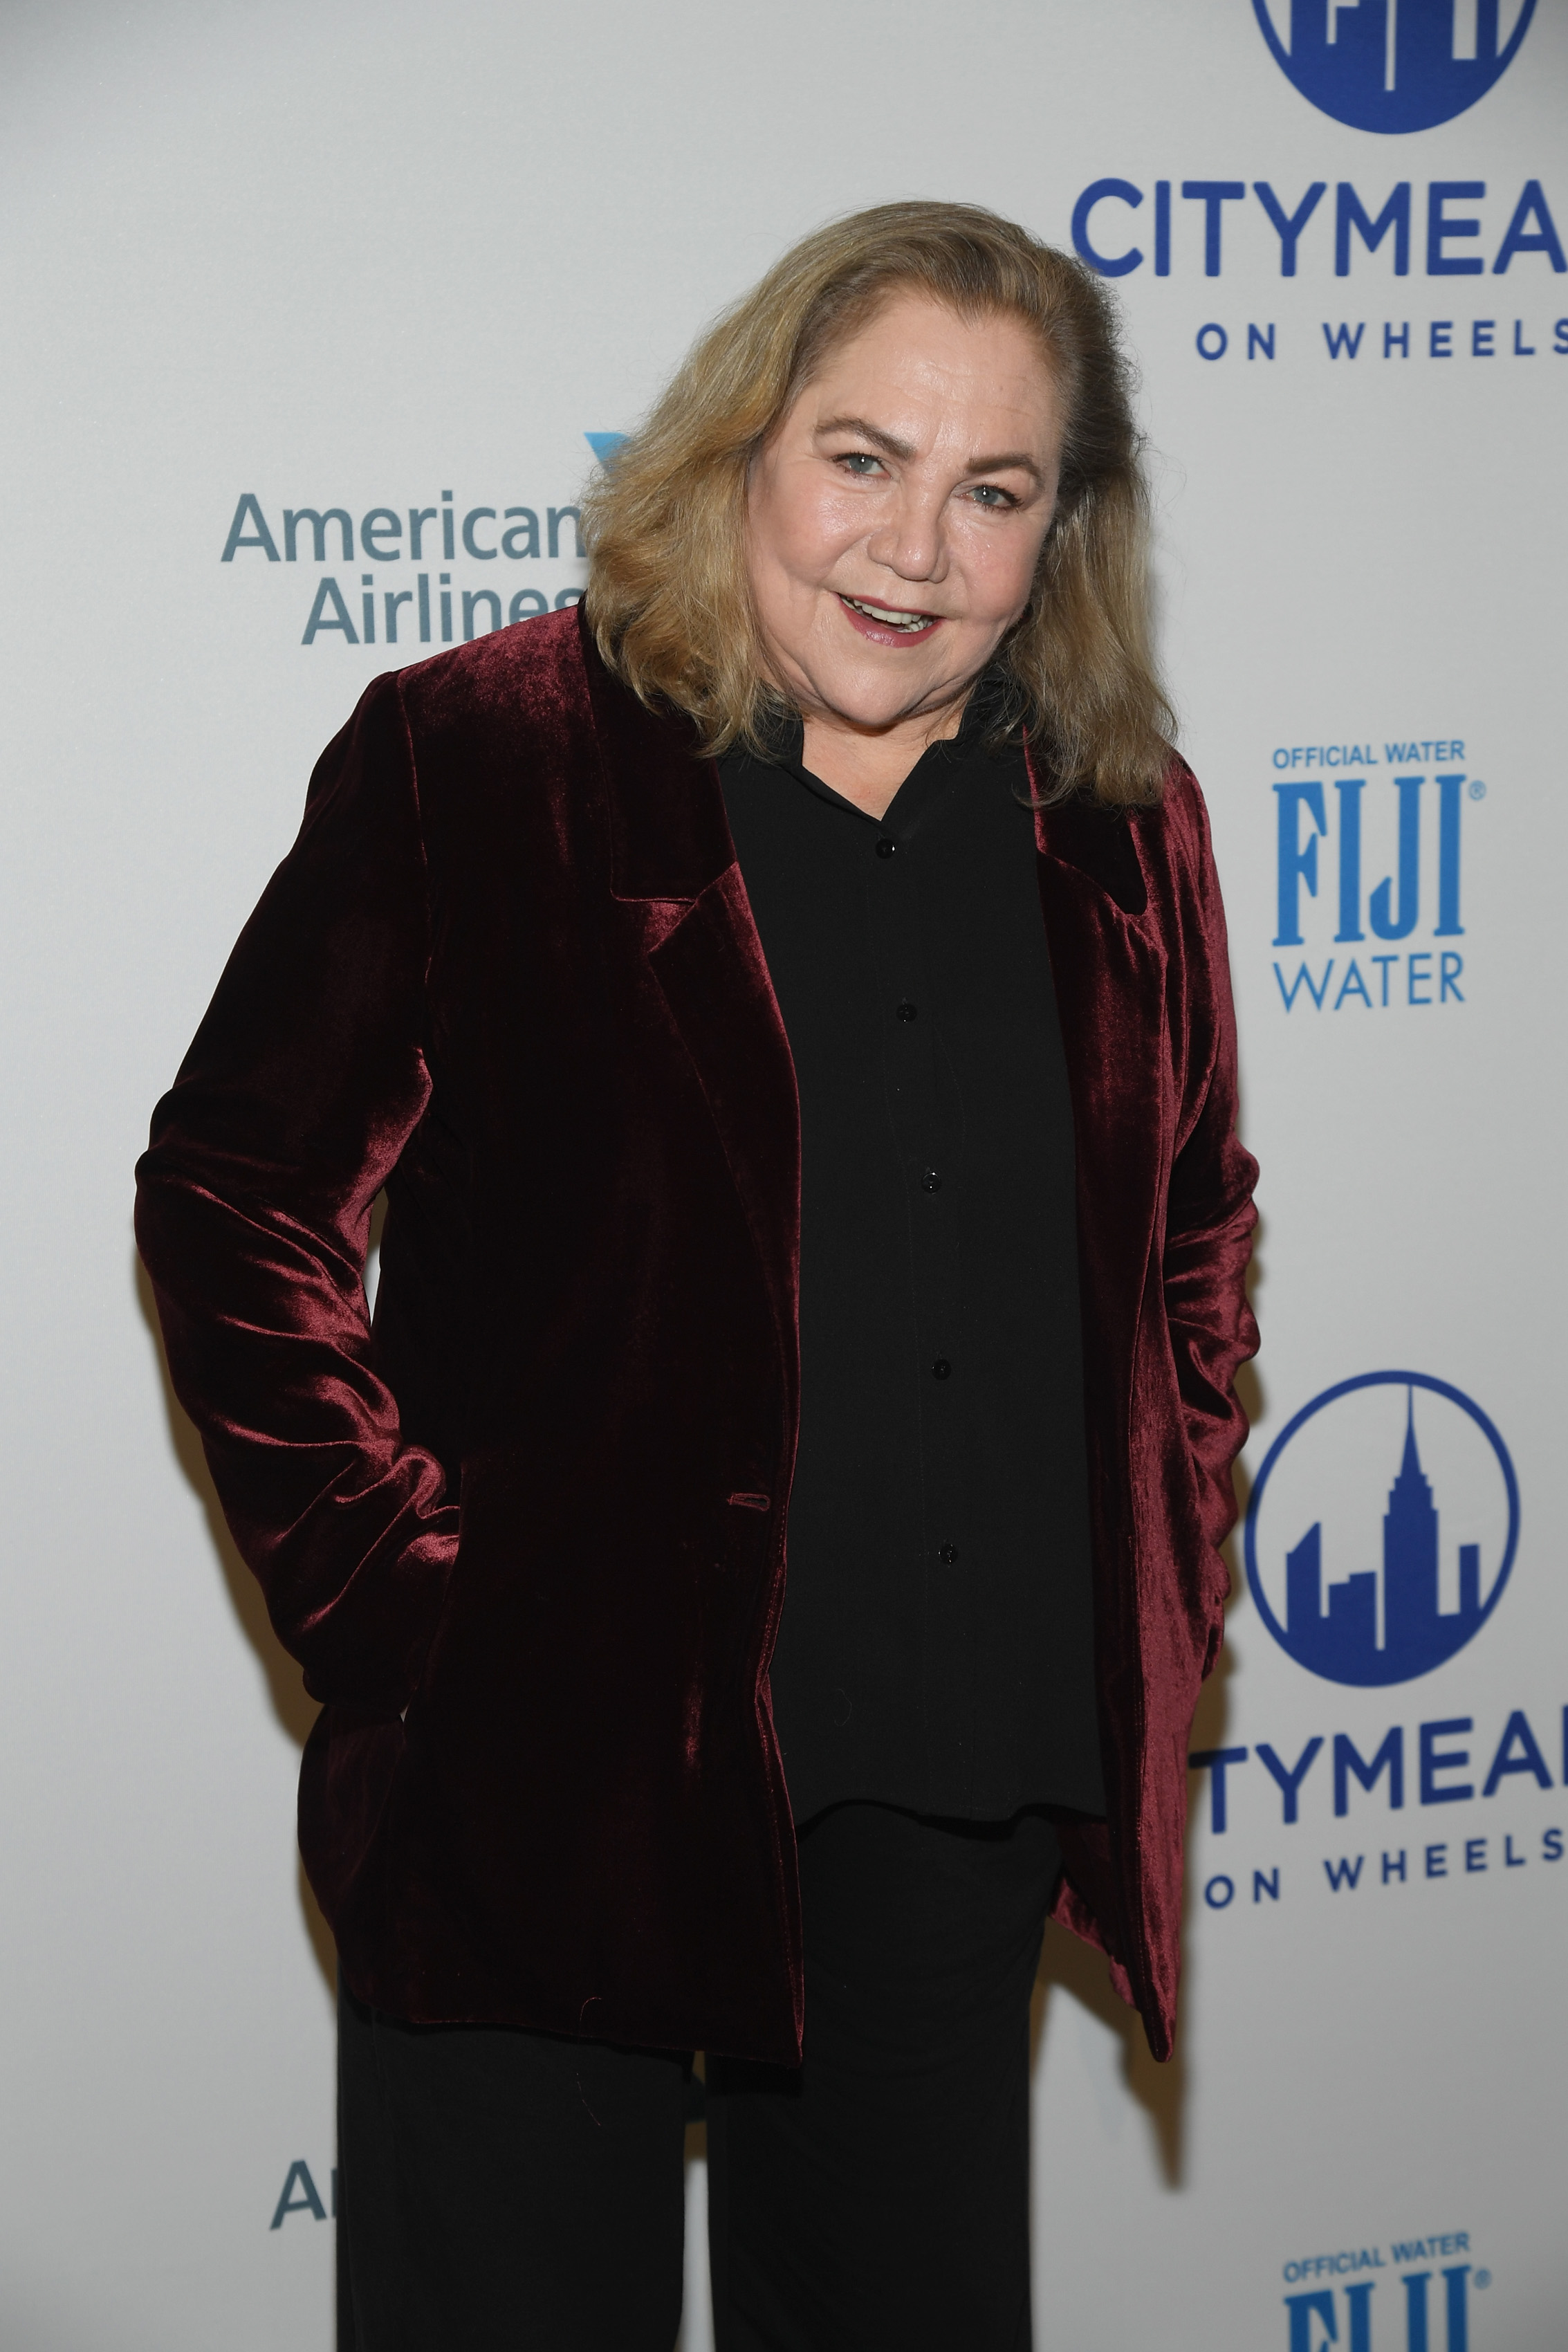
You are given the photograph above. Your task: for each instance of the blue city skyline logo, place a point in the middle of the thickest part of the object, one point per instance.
(1393, 65)
(1382, 1528)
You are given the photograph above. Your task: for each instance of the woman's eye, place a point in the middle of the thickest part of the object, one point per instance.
(989, 495)
(860, 462)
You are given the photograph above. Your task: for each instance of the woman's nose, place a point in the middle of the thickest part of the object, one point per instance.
(911, 540)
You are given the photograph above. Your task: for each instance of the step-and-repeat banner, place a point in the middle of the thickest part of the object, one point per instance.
(315, 318)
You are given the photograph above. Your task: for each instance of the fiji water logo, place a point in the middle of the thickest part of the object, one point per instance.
(1383, 902)
(1382, 1528)
(1313, 2324)
(1394, 65)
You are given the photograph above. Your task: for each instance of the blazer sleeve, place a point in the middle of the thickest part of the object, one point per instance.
(1210, 1216)
(304, 1081)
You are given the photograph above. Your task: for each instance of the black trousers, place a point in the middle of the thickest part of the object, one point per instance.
(502, 2189)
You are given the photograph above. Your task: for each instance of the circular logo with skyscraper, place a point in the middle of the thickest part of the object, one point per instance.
(1394, 65)
(1382, 1528)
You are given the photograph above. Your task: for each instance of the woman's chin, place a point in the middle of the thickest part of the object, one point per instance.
(876, 705)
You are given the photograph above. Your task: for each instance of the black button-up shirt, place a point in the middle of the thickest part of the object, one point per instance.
(936, 1650)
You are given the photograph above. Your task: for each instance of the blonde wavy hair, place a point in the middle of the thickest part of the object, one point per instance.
(665, 519)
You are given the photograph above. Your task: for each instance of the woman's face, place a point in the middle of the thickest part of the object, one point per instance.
(897, 514)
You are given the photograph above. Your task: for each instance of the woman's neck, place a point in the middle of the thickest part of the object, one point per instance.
(867, 766)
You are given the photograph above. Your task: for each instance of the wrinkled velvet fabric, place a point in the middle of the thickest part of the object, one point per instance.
(510, 972)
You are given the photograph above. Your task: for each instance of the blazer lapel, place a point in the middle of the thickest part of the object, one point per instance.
(673, 866)
(1110, 974)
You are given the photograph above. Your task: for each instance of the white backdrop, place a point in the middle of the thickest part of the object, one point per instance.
(347, 257)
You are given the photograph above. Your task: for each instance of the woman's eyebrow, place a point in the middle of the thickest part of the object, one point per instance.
(1019, 458)
(861, 426)
(868, 432)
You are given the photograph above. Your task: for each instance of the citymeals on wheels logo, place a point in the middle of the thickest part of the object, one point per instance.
(1382, 1528)
(1394, 65)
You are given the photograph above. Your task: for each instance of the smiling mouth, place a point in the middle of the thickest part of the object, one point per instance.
(887, 616)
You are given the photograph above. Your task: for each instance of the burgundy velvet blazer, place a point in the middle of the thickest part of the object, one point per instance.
(525, 1531)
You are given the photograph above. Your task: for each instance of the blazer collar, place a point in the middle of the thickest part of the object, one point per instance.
(669, 834)
(672, 864)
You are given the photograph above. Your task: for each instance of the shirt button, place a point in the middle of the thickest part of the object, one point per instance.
(887, 848)
(906, 1010)
(947, 1555)
(940, 1369)
(930, 1180)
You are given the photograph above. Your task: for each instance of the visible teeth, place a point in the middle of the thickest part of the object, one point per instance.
(889, 619)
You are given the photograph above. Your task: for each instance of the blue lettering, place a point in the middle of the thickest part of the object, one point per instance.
(1216, 1763)
(328, 595)
(309, 2199)
(1457, 2313)
(318, 522)
(526, 526)
(1297, 863)
(1449, 925)
(1350, 790)
(1380, 912)
(1436, 1759)
(1289, 1777)
(1212, 194)
(554, 518)
(1342, 340)
(1389, 1759)
(1303, 2309)
(379, 524)
(1416, 2311)
(1543, 239)
(1351, 984)
(1317, 990)
(474, 597)
(1517, 1734)
(1266, 1882)
(1349, 214)
(1441, 230)
(1343, 1872)
(1097, 193)
(1287, 226)
(1452, 963)
(249, 506)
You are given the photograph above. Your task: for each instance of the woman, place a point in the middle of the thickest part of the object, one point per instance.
(786, 1004)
